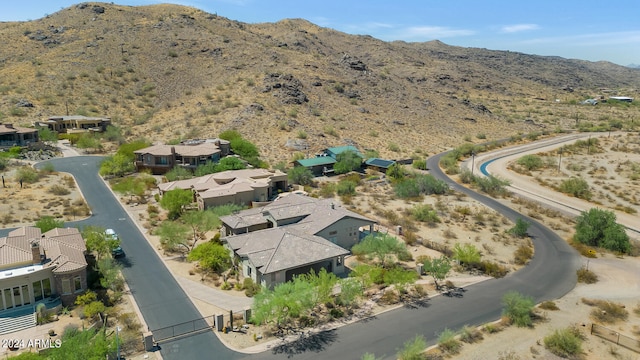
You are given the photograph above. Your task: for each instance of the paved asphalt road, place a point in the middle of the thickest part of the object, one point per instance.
(159, 297)
(550, 275)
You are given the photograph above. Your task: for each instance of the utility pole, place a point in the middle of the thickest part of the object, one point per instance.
(560, 159)
(589, 145)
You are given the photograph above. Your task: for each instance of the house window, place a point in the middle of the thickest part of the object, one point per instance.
(37, 291)
(66, 286)
(248, 271)
(334, 232)
(162, 160)
(77, 284)
(46, 287)
(339, 261)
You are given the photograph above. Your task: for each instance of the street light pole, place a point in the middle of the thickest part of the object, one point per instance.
(473, 161)
(560, 159)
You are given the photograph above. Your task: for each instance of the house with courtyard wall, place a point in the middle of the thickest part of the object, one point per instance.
(299, 232)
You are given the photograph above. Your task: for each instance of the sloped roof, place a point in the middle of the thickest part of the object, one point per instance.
(202, 149)
(64, 248)
(316, 161)
(317, 214)
(337, 150)
(260, 177)
(11, 129)
(283, 248)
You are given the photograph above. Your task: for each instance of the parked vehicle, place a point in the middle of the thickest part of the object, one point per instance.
(117, 251)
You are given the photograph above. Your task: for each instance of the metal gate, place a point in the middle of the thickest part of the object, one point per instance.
(183, 329)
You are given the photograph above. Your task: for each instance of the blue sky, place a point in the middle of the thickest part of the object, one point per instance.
(588, 30)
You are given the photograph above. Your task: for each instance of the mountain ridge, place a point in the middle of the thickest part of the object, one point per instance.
(168, 71)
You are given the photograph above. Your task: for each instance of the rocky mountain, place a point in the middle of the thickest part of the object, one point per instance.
(165, 72)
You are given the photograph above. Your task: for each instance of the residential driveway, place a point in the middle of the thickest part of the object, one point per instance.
(212, 296)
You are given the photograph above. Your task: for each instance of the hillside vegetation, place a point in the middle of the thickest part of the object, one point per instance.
(166, 72)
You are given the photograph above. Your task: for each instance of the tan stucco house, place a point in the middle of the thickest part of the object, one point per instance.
(311, 233)
(159, 159)
(242, 187)
(75, 123)
(37, 267)
(11, 135)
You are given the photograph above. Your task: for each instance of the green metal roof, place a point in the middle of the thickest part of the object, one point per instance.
(317, 161)
(340, 149)
(381, 163)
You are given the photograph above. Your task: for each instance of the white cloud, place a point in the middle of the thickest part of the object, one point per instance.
(519, 28)
(432, 32)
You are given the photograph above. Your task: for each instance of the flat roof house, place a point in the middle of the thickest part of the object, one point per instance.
(243, 187)
(159, 159)
(294, 218)
(38, 267)
(11, 135)
(74, 123)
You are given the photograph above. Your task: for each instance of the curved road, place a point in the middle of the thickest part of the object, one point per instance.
(549, 275)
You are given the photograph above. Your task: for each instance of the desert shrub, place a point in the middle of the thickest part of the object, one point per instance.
(27, 174)
(549, 305)
(518, 308)
(467, 254)
(607, 311)
(300, 175)
(493, 269)
(577, 187)
(346, 188)
(531, 162)
(250, 287)
(492, 185)
(586, 276)
(59, 190)
(564, 342)
(413, 349)
(425, 213)
(470, 334)
(420, 164)
(448, 343)
(336, 313)
(520, 228)
(523, 254)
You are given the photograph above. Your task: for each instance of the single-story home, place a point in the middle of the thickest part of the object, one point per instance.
(276, 255)
(11, 135)
(243, 187)
(298, 217)
(36, 267)
(159, 159)
(74, 123)
(377, 164)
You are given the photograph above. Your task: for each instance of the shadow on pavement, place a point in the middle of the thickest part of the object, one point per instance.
(307, 343)
(420, 303)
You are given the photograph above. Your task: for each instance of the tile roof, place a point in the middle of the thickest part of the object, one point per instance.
(64, 248)
(283, 248)
(11, 129)
(202, 149)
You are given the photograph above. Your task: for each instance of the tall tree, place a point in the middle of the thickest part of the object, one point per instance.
(438, 268)
(200, 223)
(300, 175)
(347, 161)
(98, 241)
(47, 223)
(173, 235)
(467, 254)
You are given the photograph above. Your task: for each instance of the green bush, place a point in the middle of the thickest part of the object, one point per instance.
(564, 342)
(425, 213)
(413, 349)
(531, 162)
(599, 228)
(420, 164)
(520, 228)
(27, 174)
(577, 187)
(346, 188)
(523, 254)
(586, 276)
(448, 343)
(518, 308)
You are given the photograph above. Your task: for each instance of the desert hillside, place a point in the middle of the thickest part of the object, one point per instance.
(167, 72)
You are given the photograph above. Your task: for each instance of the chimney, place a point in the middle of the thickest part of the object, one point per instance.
(35, 253)
(332, 206)
(8, 126)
